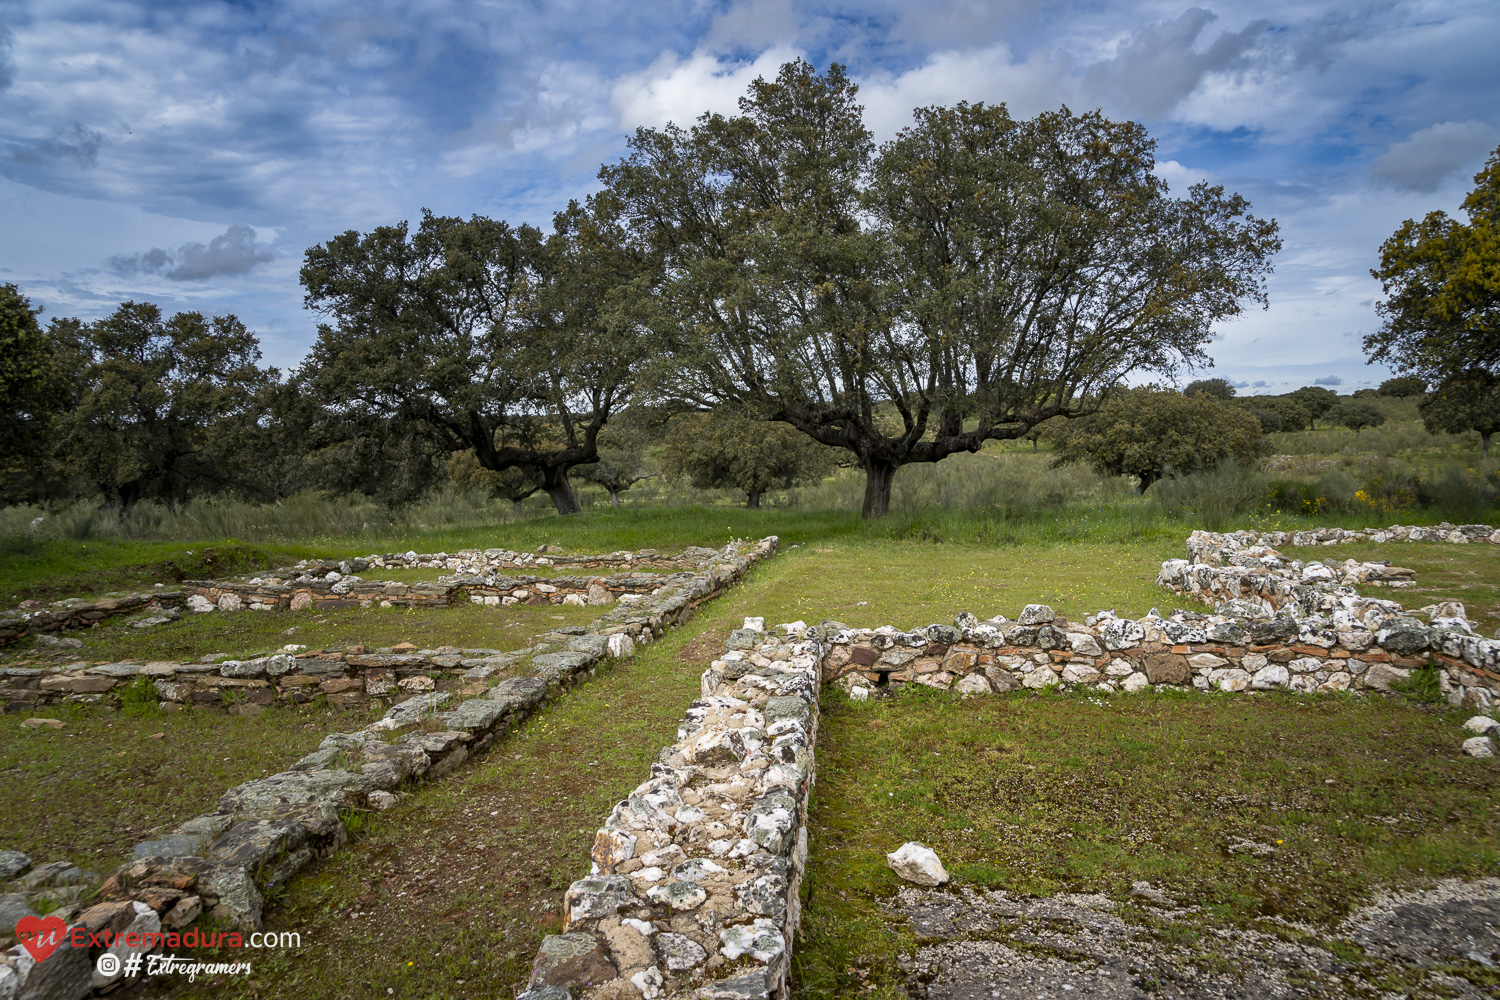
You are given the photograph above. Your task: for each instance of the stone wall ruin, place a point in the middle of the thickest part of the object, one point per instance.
(263, 832)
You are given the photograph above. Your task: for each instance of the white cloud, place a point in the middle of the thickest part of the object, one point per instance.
(1431, 155)
(753, 25)
(1040, 83)
(234, 251)
(677, 90)
(1159, 65)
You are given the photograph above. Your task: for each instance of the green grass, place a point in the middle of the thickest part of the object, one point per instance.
(49, 570)
(555, 779)
(249, 633)
(1048, 794)
(1031, 793)
(1468, 573)
(88, 792)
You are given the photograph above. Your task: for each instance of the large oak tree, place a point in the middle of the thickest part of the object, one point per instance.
(498, 341)
(1442, 283)
(967, 281)
(160, 408)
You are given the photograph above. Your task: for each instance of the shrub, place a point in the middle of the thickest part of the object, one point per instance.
(1356, 416)
(1459, 495)
(1214, 497)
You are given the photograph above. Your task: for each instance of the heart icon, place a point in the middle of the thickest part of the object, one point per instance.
(41, 935)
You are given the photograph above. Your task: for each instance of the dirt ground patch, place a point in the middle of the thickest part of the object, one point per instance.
(1442, 942)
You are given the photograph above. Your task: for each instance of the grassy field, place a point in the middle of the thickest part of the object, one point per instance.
(448, 894)
(250, 633)
(1076, 793)
(535, 799)
(88, 792)
(1041, 794)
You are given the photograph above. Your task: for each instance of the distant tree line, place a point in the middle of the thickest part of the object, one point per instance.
(745, 303)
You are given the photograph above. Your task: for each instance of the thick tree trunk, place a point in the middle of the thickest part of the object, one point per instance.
(752, 498)
(614, 498)
(1484, 443)
(878, 477)
(555, 484)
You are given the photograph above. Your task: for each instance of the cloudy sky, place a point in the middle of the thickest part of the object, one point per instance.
(187, 153)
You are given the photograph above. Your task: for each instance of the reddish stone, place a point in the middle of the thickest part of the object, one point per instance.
(160, 900)
(864, 656)
(1167, 668)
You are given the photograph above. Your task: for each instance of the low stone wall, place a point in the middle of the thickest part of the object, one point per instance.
(478, 575)
(264, 831)
(1456, 534)
(694, 887)
(75, 612)
(1230, 651)
(346, 677)
(272, 593)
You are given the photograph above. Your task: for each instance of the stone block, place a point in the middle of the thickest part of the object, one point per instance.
(1167, 668)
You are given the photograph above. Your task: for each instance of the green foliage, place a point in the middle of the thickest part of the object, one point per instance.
(721, 449)
(1460, 495)
(490, 338)
(1150, 432)
(159, 408)
(1356, 415)
(139, 698)
(1423, 686)
(625, 452)
(1289, 413)
(1468, 401)
(1219, 388)
(1441, 279)
(1270, 420)
(974, 277)
(1315, 399)
(1402, 386)
(29, 399)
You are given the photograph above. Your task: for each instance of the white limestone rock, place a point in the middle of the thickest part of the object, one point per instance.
(1479, 746)
(1481, 724)
(917, 863)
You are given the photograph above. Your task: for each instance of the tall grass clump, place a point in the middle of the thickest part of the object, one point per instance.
(303, 516)
(1009, 486)
(1461, 495)
(1215, 497)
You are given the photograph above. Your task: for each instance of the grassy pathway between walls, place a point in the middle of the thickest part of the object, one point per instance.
(90, 791)
(256, 633)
